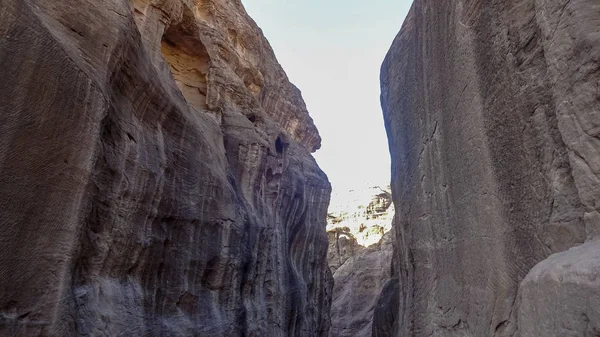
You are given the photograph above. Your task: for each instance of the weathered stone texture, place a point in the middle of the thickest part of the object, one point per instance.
(155, 175)
(492, 112)
(360, 257)
(560, 296)
(357, 285)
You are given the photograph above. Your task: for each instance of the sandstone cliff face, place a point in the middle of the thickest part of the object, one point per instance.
(156, 176)
(360, 256)
(491, 109)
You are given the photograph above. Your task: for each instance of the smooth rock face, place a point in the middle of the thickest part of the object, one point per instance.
(492, 112)
(360, 257)
(155, 175)
(560, 295)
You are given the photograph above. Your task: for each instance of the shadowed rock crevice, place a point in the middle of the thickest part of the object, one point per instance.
(386, 311)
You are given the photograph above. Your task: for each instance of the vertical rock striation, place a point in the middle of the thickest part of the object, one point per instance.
(155, 175)
(492, 112)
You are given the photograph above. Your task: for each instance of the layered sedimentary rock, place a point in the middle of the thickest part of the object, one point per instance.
(155, 175)
(360, 257)
(492, 112)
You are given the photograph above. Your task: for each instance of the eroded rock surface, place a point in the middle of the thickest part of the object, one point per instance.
(560, 296)
(360, 256)
(155, 175)
(491, 109)
(385, 313)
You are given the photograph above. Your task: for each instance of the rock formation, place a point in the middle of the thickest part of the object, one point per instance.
(492, 112)
(386, 311)
(155, 175)
(360, 255)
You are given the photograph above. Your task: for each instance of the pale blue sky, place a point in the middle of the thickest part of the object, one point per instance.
(332, 50)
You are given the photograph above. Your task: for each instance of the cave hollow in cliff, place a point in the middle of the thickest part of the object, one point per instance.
(188, 60)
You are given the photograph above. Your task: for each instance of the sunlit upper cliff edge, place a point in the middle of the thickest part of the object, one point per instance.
(364, 213)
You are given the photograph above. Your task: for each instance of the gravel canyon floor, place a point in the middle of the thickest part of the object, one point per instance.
(157, 178)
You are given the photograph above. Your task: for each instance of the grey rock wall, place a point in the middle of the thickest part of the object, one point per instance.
(155, 175)
(491, 109)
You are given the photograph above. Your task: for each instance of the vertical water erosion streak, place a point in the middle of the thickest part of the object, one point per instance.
(489, 109)
(157, 176)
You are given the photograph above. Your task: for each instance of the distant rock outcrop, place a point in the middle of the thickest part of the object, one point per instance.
(492, 112)
(156, 176)
(360, 255)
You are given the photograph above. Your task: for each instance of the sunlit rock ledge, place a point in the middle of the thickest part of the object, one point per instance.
(363, 215)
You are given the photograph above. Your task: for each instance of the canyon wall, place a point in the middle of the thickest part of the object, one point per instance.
(156, 176)
(360, 257)
(492, 109)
